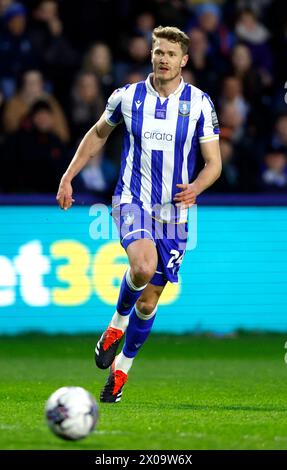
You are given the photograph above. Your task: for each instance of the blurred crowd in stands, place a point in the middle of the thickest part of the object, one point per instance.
(61, 59)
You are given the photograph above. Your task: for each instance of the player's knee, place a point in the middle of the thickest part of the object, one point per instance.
(142, 272)
(146, 307)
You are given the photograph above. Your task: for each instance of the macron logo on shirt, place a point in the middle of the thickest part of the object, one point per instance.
(138, 104)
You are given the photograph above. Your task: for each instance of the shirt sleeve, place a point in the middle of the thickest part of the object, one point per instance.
(113, 112)
(208, 127)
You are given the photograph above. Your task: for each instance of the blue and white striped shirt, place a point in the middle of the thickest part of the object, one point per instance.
(161, 138)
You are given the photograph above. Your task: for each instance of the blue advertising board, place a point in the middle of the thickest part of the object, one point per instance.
(60, 271)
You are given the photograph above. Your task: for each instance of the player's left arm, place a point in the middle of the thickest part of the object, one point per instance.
(207, 176)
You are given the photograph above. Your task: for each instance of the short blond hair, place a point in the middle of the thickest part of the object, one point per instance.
(172, 34)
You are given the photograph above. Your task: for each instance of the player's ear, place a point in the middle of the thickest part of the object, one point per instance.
(184, 60)
(151, 55)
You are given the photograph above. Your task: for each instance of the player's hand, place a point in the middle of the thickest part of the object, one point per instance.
(186, 197)
(64, 196)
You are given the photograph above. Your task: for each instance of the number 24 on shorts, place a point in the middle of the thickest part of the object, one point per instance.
(176, 258)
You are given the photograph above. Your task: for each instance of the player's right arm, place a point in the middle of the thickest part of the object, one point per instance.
(92, 142)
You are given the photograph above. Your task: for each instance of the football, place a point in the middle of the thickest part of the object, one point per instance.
(71, 413)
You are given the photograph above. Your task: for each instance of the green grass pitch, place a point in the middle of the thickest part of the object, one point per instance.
(184, 392)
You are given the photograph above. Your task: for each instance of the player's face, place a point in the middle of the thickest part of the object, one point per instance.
(167, 59)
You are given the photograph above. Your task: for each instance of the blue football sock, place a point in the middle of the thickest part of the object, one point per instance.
(137, 331)
(129, 294)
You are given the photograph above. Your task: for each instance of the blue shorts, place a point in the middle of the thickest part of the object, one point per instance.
(135, 223)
